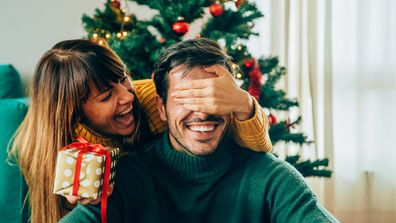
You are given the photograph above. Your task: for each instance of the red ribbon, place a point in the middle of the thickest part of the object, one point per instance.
(85, 147)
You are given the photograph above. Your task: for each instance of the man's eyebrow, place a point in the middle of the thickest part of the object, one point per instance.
(184, 74)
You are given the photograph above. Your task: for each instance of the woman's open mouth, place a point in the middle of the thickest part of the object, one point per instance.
(125, 117)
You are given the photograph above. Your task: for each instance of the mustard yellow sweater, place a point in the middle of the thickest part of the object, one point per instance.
(251, 133)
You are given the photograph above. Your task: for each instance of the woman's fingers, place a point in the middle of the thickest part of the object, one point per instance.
(194, 84)
(197, 101)
(191, 93)
(72, 199)
(196, 108)
(85, 201)
(218, 70)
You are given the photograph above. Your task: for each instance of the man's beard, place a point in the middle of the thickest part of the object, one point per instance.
(177, 136)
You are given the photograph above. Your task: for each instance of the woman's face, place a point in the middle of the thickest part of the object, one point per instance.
(110, 112)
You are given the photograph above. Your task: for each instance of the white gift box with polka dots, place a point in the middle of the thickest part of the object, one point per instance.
(91, 175)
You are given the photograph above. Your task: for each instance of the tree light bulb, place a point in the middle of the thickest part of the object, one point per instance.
(125, 33)
(95, 35)
(119, 35)
(108, 35)
(239, 75)
(126, 19)
(100, 42)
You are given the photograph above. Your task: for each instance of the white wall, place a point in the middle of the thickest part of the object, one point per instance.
(28, 28)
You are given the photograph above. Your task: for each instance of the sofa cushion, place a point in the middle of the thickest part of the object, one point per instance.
(12, 186)
(10, 82)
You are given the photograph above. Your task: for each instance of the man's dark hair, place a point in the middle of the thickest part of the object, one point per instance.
(190, 53)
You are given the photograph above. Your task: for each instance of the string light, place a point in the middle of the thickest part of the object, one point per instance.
(108, 35)
(239, 75)
(119, 35)
(95, 35)
(126, 19)
(234, 66)
(239, 47)
(125, 33)
(100, 42)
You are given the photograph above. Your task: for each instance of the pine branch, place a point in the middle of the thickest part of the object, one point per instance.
(269, 64)
(307, 168)
(232, 25)
(108, 21)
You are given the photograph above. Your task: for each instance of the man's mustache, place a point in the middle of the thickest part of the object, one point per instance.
(210, 118)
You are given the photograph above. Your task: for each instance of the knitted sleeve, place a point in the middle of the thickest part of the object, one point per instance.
(289, 197)
(82, 214)
(252, 133)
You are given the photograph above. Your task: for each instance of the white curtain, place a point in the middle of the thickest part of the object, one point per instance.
(341, 58)
(364, 74)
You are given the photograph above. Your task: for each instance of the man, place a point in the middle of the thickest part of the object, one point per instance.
(195, 173)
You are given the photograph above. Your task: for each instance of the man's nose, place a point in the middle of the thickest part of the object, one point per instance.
(201, 115)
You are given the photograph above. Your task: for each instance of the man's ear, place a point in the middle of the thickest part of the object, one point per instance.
(161, 108)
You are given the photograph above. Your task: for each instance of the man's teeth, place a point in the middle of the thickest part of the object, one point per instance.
(126, 111)
(202, 128)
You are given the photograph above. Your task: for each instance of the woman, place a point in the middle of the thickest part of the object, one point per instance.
(80, 88)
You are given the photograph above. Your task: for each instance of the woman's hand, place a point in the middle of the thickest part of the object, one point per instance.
(74, 199)
(219, 95)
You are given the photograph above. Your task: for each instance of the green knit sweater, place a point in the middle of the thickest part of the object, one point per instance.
(160, 184)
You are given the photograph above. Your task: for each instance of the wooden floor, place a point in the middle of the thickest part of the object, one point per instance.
(370, 216)
(354, 204)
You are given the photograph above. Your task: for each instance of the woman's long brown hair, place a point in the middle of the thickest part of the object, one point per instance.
(61, 83)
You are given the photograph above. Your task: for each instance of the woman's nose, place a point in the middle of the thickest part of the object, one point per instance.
(125, 95)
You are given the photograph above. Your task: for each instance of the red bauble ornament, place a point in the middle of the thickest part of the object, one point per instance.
(255, 84)
(239, 2)
(216, 9)
(272, 119)
(249, 63)
(115, 4)
(180, 27)
(255, 91)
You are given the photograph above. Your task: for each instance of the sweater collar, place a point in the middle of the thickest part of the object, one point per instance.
(88, 134)
(194, 167)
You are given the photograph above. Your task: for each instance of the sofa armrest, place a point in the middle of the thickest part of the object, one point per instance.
(13, 189)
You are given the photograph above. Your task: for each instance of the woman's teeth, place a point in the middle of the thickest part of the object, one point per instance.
(125, 111)
(201, 128)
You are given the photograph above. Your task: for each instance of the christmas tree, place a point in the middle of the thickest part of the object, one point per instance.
(139, 43)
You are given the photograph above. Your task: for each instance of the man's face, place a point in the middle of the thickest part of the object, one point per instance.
(195, 133)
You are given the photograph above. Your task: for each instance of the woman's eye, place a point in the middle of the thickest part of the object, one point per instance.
(127, 84)
(107, 97)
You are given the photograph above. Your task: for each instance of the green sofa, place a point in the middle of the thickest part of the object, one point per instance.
(13, 107)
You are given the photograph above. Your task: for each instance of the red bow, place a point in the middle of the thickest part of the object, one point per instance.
(85, 147)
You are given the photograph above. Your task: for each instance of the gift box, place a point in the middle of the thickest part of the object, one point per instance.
(81, 169)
